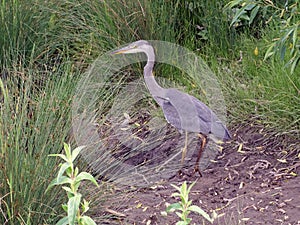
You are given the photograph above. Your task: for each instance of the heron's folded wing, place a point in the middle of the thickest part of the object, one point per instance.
(217, 128)
(171, 114)
(203, 111)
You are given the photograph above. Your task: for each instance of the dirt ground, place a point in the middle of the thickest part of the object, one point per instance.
(254, 181)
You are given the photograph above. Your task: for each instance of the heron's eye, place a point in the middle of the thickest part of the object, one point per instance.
(133, 46)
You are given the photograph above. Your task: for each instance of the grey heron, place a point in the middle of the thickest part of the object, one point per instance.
(183, 111)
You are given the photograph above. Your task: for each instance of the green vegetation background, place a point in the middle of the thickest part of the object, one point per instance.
(47, 45)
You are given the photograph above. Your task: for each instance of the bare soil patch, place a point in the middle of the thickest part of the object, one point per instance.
(254, 181)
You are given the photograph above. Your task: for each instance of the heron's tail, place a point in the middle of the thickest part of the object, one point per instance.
(227, 135)
(219, 132)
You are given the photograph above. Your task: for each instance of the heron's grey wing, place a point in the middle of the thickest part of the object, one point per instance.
(169, 111)
(203, 111)
(171, 114)
(182, 112)
(217, 128)
(187, 112)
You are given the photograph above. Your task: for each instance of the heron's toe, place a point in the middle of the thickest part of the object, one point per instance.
(196, 170)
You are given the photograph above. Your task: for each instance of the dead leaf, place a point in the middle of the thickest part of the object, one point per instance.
(282, 160)
(113, 212)
(240, 149)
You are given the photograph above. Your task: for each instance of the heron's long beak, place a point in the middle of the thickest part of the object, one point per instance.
(120, 51)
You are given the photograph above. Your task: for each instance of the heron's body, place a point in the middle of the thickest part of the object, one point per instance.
(181, 110)
(187, 113)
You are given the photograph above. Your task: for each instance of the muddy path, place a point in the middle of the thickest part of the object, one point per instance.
(255, 180)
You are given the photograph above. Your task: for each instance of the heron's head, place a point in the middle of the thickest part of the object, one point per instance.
(135, 47)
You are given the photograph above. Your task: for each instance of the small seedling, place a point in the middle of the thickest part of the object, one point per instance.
(185, 207)
(71, 176)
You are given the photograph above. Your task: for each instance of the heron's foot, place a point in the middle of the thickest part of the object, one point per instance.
(179, 174)
(187, 173)
(196, 170)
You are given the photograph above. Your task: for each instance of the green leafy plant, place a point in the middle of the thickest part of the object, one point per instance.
(185, 206)
(75, 213)
(286, 16)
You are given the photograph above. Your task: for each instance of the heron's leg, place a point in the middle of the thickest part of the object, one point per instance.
(184, 148)
(203, 144)
(183, 154)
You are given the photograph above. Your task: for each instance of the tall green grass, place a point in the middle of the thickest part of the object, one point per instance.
(24, 28)
(258, 90)
(32, 126)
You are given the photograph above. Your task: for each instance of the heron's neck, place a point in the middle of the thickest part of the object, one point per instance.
(151, 83)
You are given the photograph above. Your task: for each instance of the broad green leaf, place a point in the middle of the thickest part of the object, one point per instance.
(253, 14)
(86, 220)
(69, 170)
(67, 189)
(76, 172)
(265, 11)
(238, 14)
(243, 17)
(190, 187)
(179, 214)
(59, 155)
(250, 6)
(68, 152)
(62, 180)
(184, 199)
(63, 221)
(232, 4)
(76, 152)
(174, 206)
(86, 176)
(65, 207)
(175, 194)
(76, 186)
(197, 209)
(176, 187)
(189, 203)
(282, 52)
(70, 194)
(270, 51)
(62, 169)
(183, 189)
(73, 206)
(85, 206)
(287, 34)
